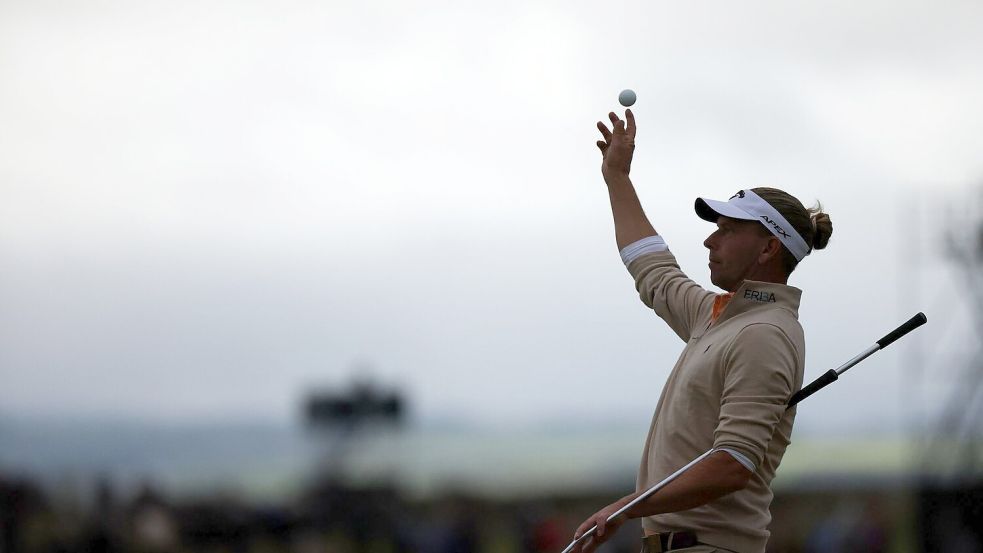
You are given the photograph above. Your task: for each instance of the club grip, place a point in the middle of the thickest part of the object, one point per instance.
(818, 384)
(913, 323)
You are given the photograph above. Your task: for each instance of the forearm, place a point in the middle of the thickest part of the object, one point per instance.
(714, 477)
(630, 222)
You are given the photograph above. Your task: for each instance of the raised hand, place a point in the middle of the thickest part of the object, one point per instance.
(618, 144)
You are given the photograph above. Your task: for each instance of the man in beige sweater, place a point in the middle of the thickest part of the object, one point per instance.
(743, 359)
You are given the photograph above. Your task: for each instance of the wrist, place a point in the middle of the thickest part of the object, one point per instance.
(614, 177)
(629, 513)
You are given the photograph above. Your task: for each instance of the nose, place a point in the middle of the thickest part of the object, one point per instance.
(708, 244)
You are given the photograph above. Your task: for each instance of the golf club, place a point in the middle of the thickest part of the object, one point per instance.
(826, 379)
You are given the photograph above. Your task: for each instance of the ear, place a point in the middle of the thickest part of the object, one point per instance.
(772, 250)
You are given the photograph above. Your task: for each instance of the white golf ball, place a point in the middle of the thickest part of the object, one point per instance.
(627, 97)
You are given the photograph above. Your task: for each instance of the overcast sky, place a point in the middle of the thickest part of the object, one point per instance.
(208, 207)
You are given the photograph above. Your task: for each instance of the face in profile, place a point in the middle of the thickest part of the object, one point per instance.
(735, 248)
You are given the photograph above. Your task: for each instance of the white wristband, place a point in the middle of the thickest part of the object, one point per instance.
(649, 244)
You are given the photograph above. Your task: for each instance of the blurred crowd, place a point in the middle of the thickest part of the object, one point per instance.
(333, 518)
(325, 518)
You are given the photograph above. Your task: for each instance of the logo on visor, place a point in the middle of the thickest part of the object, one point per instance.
(740, 194)
(774, 225)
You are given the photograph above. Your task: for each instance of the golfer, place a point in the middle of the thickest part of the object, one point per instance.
(743, 360)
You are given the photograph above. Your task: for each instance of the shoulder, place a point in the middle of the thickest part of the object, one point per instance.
(767, 331)
(777, 322)
(767, 342)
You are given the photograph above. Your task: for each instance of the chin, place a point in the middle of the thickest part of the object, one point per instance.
(721, 283)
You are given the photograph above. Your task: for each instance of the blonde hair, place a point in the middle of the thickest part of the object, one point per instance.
(813, 225)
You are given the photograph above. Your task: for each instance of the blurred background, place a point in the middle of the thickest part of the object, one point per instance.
(341, 276)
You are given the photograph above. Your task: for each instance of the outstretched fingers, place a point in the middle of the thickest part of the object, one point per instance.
(616, 122)
(624, 133)
(604, 131)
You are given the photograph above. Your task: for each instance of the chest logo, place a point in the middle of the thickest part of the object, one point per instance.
(763, 297)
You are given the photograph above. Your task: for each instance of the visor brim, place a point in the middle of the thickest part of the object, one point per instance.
(710, 210)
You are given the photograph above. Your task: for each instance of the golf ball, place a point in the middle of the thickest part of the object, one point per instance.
(627, 97)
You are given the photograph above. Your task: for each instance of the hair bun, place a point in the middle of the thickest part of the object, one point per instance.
(822, 229)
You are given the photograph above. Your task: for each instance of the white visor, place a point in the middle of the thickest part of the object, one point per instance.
(748, 206)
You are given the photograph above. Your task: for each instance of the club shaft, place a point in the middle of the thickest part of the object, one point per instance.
(860, 357)
(829, 377)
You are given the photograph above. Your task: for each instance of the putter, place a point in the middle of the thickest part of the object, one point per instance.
(826, 379)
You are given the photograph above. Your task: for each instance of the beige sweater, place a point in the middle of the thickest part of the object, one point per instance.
(728, 389)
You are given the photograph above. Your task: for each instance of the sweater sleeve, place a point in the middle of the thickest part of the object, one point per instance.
(758, 378)
(661, 285)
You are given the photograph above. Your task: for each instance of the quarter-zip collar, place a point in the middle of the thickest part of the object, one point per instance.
(753, 294)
